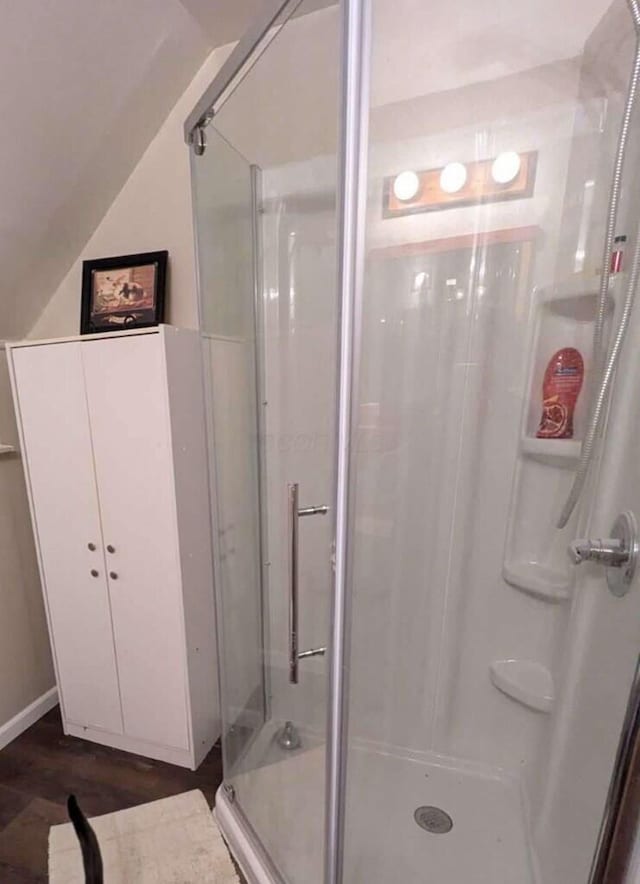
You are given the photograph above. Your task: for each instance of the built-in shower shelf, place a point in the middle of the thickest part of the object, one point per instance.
(525, 681)
(552, 452)
(536, 580)
(7, 449)
(578, 298)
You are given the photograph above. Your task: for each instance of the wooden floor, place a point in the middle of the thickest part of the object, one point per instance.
(41, 768)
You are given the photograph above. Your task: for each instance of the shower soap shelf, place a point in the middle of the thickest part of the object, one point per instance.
(577, 298)
(552, 452)
(7, 449)
(525, 681)
(536, 580)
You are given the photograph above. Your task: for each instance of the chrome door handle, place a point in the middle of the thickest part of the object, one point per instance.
(313, 511)
(618, 553)
(293, 582)
(295, 513)
(312, 652)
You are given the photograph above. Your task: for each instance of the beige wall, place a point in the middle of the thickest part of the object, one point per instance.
(151, 212)
(26, 671)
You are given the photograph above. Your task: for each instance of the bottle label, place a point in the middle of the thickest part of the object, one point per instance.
(560, 390)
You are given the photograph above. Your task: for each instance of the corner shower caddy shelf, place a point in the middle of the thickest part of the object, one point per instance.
(577, 298)
(552, 452)
(536, 580)
(565, 315)
(525, 681)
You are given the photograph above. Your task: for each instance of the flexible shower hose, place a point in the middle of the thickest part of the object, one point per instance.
(606, 371)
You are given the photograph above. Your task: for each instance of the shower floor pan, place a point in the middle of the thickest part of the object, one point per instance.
(283, 796)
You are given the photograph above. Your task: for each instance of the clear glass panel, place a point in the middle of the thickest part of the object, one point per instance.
(488, 675)
(280, 122)
(224, 205)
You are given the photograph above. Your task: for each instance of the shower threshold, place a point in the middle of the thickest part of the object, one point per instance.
(486, 842)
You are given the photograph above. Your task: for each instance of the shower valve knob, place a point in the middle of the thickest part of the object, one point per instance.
(606, 552)
(617, 553)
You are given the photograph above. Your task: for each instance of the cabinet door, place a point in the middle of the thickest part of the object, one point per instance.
(127, 398)
(55, 430)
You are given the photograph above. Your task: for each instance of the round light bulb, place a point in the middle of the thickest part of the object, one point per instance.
(453, 177)
(505, 167)
(406, 185)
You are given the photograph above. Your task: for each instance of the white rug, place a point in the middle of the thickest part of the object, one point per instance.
(171, 841)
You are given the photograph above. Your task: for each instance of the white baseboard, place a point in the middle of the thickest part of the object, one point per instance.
(28, 716)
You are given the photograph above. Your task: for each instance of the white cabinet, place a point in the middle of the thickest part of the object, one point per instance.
(113, 436)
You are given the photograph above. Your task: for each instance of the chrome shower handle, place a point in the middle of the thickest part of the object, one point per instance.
(605, 551)
(295, 513)
(618, 553)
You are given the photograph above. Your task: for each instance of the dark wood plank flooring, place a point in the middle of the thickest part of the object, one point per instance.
(42, 766)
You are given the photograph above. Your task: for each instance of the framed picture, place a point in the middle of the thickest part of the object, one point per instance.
(123, 293)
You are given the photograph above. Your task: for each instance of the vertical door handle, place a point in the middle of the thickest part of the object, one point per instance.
(294, 515)
(293, 582)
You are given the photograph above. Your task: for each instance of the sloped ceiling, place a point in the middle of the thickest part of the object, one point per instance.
(87, 83)
(223, 20)
(85, 86)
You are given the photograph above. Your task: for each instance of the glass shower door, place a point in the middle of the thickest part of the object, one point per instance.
(265, 199)
(488, 675)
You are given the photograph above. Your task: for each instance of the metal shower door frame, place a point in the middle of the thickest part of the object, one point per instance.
(352, 197)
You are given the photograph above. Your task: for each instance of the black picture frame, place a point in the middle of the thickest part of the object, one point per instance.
(138, 279)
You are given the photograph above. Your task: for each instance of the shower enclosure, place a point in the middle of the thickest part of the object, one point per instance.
(401, 212)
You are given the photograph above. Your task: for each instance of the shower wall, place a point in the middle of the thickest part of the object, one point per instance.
(449, 299)
(597, 657)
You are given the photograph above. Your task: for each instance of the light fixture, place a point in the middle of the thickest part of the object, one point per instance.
(406, 185)
(505, 167)
(453, 177)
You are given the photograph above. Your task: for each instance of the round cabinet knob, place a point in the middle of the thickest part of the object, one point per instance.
(91, 546)
(113, 575)
(94, 573)
(110, 548)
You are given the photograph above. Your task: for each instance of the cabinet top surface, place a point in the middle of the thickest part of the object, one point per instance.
(35, 342)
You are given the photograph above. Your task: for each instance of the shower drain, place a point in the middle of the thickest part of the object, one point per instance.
(433, 820)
